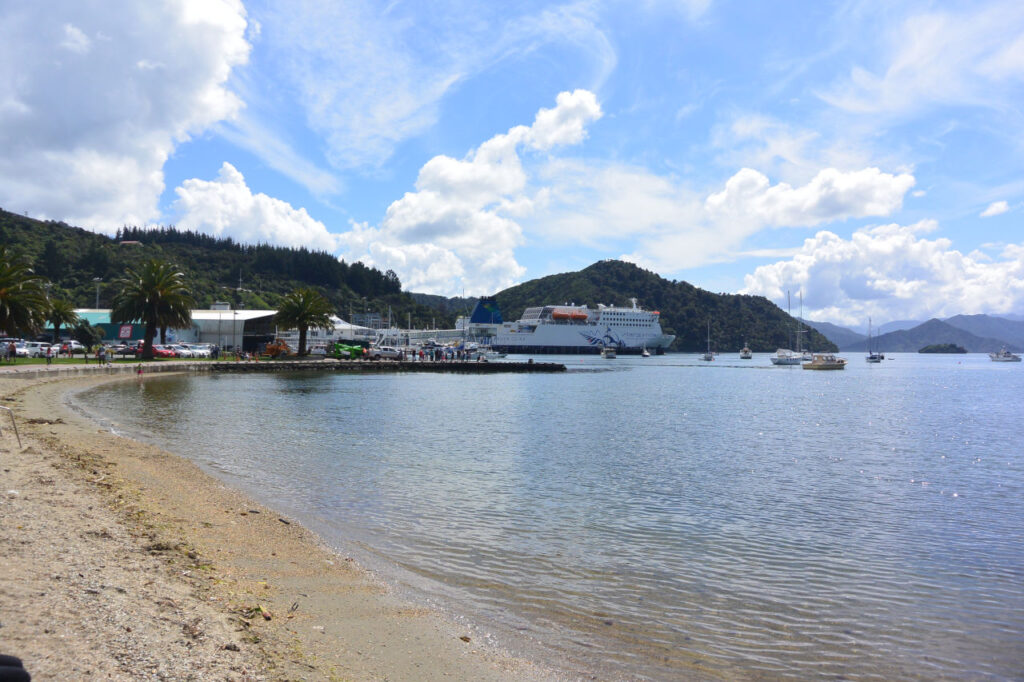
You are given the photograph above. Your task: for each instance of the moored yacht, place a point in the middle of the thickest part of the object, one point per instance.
(1004, 356)
(784, 356)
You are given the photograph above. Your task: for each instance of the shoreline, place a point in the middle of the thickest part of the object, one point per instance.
(130, 561)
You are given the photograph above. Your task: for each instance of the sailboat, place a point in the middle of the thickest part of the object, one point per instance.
(805, 355)
(872, 356)
(745, 352)
(708, 356)
(784, 356)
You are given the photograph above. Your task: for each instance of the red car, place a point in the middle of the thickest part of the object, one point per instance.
(158, 351)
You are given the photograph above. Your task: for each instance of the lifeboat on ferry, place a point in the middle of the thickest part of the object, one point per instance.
(578, 315)
(560, 314)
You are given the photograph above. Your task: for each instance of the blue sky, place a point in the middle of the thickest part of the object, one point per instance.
(865, 153)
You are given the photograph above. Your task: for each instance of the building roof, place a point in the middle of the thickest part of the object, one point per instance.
(102, 315)
(231, 314)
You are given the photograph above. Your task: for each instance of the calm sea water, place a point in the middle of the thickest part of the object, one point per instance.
(654, 518)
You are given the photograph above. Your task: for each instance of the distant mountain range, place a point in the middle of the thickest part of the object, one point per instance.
(841, 336)
(976, 333)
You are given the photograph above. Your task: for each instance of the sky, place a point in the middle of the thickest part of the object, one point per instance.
(868, 155)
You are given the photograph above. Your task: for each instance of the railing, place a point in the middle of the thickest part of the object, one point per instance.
(13, 424)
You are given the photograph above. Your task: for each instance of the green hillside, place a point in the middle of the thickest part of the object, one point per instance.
(247, 276)
(685, 309)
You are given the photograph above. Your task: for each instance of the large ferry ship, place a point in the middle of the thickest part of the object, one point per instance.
(575, 329)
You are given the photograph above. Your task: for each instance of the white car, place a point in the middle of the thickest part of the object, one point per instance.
(37, 349)
(383, 353)
(181, 350)
(199, 350)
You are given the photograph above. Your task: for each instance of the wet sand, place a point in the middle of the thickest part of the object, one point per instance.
(123, 561)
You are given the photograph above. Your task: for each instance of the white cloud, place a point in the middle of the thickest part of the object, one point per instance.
(96, 96)
(893, 272)
(75, 40)
(457, 230)
(942, 57)
(226, 207)
(832, 195)
(368, 76)
(995, 208)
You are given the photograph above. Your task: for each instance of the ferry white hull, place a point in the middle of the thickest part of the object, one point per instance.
(581, 330)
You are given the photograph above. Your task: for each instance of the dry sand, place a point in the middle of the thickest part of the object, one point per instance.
(121, 561)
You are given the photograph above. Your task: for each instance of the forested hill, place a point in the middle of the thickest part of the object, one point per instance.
(685, 309)
(249, 276)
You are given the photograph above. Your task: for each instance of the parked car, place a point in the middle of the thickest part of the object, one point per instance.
(69, 345)
(383, 353)
(36, 349)
(181, 350)
(20, 350)
(161, 351)
(199, 350)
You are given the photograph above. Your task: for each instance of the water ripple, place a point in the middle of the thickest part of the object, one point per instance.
(660, 519)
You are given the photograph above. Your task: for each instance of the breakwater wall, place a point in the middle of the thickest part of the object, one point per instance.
(326, 365)
(381, 366)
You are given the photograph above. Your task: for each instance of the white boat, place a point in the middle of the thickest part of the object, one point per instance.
(708, 355)
(745, 352)
(826, 361)
(608, 352)
(805, 355)
(579, 329)
(872, 356)
(644, 353)
(1004, 356)
(784, 356)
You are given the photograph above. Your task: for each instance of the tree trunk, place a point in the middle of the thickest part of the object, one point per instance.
(163, 335)
(147, 341)
(302, 340)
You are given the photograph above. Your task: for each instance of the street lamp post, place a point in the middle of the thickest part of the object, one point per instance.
(97, 280)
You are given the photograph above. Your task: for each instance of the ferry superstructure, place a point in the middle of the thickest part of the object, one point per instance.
(580, 329)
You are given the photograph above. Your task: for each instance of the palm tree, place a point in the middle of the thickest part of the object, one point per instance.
(302, 309)
(23, 302)
(157, 296)
(61, 314)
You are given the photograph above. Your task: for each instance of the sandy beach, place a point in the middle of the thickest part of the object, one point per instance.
(122, 561)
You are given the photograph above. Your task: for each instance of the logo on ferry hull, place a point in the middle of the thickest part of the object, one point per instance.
(609, 338)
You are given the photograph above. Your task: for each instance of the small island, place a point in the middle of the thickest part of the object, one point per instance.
(943, 348)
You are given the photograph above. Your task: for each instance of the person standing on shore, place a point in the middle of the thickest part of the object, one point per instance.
(49, 355)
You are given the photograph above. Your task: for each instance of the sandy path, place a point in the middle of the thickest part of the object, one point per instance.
(124, 562)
